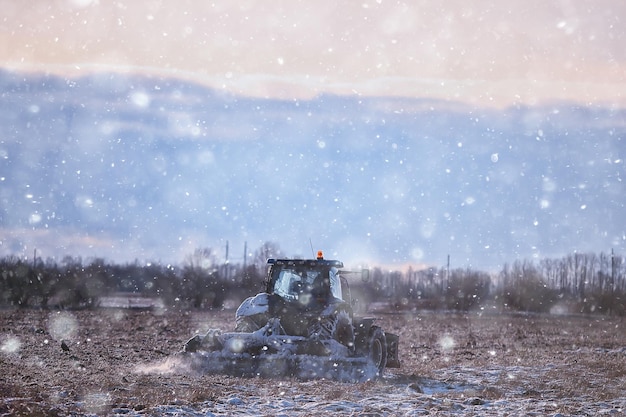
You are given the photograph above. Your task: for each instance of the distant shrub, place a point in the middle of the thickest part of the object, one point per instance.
(466, 290)
(603, 303)
(529, 294)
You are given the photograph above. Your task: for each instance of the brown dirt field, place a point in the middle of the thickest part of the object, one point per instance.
(120, 362)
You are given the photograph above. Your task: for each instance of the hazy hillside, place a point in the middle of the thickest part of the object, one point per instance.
(129, 167)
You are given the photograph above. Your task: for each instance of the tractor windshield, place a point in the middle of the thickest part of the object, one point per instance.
(296, 283)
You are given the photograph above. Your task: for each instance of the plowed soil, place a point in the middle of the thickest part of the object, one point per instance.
(124, 362)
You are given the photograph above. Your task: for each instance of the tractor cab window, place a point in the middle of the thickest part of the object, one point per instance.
(291, 283)
(296, 284)
(335, 283)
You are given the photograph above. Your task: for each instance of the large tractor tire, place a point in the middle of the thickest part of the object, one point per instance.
(245, 325)
(377, 350)
(337, 326)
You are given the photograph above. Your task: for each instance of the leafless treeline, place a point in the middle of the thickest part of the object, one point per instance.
(201, 281)
(577, 283)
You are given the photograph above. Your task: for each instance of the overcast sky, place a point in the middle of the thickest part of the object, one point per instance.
(483, 52)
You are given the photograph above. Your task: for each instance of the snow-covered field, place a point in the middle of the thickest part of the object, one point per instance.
(459, 390)
(397, 398)
(123, 362)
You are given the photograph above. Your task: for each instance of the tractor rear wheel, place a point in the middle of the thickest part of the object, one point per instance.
(377, 350)
(337, 326)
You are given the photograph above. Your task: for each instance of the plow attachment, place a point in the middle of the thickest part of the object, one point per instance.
(274, 356)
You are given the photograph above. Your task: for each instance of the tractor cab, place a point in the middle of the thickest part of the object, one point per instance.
(301, 290)
(307, 283)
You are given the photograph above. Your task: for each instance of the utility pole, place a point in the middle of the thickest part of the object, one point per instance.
(448, 272)
(226, 269)
(245, 255)
(612, 270)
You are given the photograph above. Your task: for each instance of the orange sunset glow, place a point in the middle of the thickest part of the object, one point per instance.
(487, 53)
